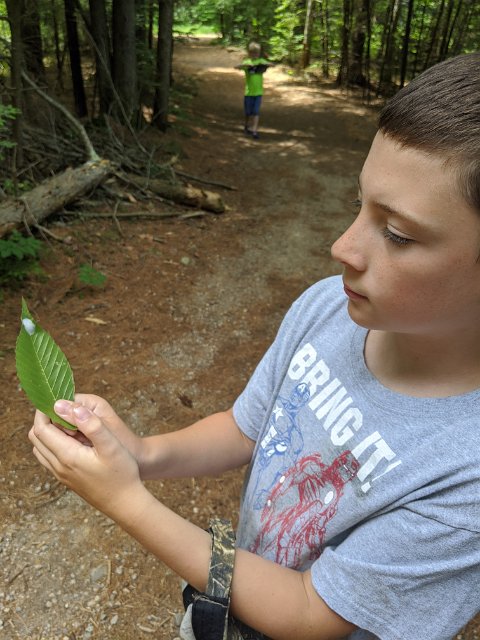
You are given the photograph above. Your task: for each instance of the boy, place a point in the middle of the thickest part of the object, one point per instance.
(360, 516)
(254, 66)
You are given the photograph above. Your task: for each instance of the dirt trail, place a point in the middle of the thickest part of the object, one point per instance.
(188, 309)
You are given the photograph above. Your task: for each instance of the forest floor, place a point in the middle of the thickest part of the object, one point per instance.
(188, 308)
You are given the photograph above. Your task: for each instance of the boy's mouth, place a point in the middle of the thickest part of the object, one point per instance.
(353, 295)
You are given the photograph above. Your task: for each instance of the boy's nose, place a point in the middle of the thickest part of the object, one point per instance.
(349, 249)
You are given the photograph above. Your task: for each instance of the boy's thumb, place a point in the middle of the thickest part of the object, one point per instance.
(92, 427)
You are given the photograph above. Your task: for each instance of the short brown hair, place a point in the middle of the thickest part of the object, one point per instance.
(439, 112)
(254, 47)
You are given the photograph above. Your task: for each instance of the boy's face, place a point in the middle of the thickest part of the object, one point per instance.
(411, 258)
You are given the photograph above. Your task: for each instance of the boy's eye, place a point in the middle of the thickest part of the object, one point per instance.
(357, 203)
(396, 239)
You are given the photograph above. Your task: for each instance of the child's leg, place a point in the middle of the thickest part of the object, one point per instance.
(248, 113)
(256, 115)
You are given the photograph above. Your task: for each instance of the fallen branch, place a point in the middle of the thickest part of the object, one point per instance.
(52, 195)
(183, 194)
(203, 181)
(136, 214)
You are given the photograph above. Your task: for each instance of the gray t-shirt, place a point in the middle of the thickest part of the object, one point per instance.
(377, 492)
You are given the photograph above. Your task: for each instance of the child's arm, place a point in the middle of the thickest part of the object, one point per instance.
(207, 447)
(277, 601)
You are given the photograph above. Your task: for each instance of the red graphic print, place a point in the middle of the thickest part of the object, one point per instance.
(294, 526)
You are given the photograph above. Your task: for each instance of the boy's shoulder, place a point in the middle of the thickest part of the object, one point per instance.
(325, 292)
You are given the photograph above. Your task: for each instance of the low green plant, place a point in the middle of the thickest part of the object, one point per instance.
(90, 276)
(19, 258)
(13, 188)
(7, 113)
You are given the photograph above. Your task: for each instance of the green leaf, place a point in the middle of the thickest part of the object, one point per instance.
(42, 368)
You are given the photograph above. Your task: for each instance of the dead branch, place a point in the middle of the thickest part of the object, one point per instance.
(204, 181)
(51, 195)
(92, 154)
(183, 194)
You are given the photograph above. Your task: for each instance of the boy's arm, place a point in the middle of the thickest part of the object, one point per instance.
(277, 601)
(208, 447)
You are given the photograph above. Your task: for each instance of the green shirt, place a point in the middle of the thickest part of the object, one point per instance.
(254, 81)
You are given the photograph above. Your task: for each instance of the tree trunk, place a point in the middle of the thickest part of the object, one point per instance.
(325, 40)
(447, 29)
(100, 36)
(406, 42)
(456, 47)
(56, 39)
(345, 55)
(14, 9)
(125, 58)
(355, 73)
(32, 40)
(150, 23)
(75, 60)
(368, 52)
(433, 35)
(419, 42)
(164, 61)
(386, 73)
(307, 35)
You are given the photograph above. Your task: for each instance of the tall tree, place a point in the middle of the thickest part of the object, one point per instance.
(56, 40)
(124, 64)
(163, 66)
(356, 73)
(75, 59)
(342, 75)
(15, 9)
(433, 36)
(406, 43)
(385, 81)
(32, 40)
(101, 43)
(324, 29)
(307, 34)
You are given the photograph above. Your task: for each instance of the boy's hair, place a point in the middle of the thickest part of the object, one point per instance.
(439, 112)
(254, 47)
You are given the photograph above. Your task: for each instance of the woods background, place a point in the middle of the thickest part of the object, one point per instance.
(113, 57)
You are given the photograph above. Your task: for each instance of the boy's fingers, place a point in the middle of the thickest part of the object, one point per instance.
(63, 407)
(91, 426)
(43, 460)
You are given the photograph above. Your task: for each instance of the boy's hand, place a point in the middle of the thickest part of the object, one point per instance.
(110, 419)
(105, 473)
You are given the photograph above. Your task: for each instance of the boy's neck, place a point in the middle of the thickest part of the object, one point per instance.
(424, 367)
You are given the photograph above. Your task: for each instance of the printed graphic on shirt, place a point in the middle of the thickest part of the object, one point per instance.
(300, 524)
(283, 440)
(305, 489)
(336, 412)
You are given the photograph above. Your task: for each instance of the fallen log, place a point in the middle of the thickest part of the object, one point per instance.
(183, 194)
(52, 195)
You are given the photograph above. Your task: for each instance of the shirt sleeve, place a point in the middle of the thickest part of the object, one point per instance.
(402, 576)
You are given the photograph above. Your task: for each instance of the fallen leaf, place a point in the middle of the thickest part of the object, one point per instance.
(95, 320)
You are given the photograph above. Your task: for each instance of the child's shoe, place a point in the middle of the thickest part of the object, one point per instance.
(247, 131)
(255, 135)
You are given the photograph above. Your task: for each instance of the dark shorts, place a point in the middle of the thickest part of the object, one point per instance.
(252, 104)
